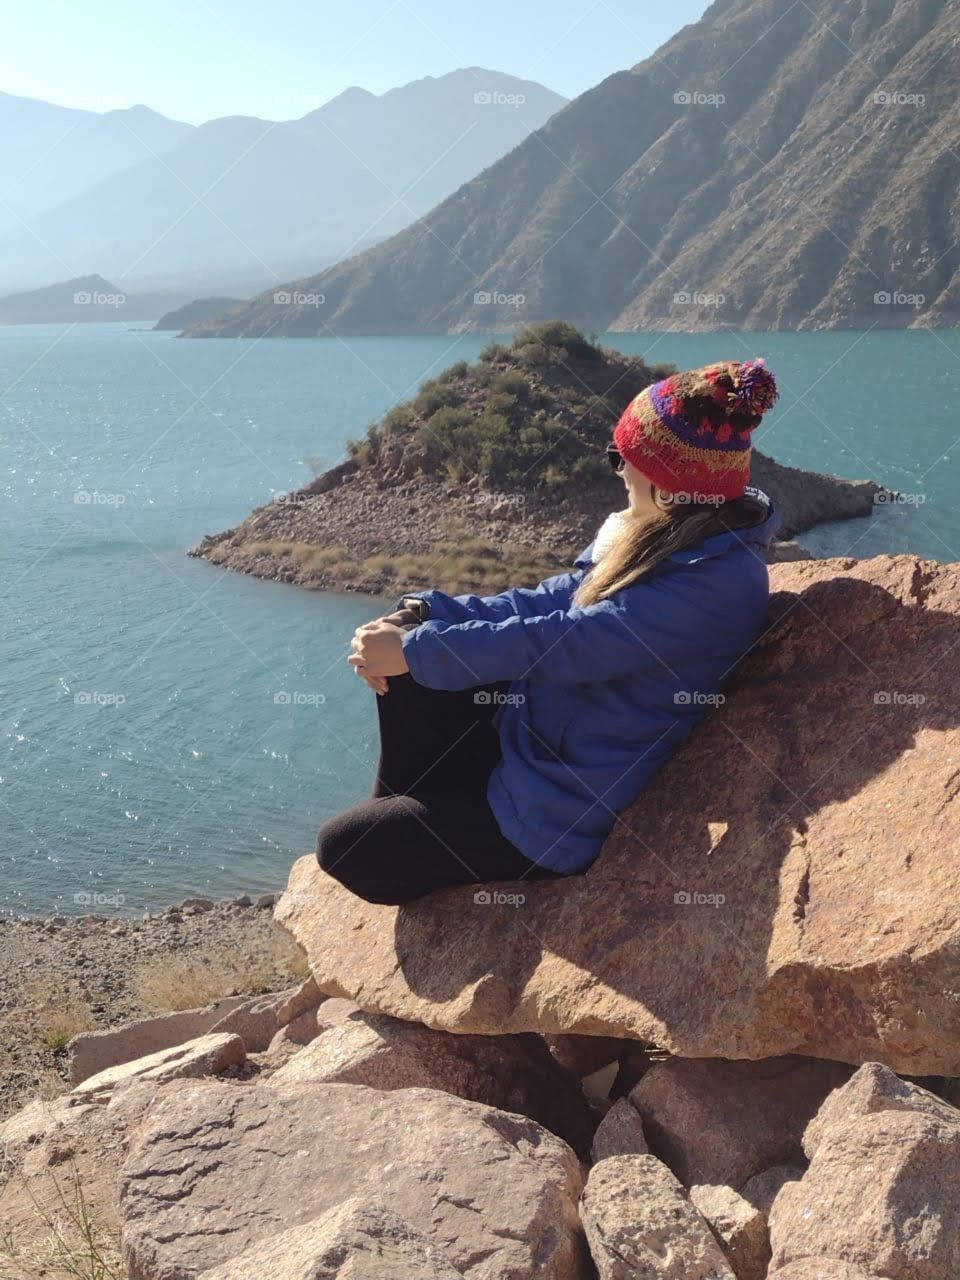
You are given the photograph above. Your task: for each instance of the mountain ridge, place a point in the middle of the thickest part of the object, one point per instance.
(817, 191)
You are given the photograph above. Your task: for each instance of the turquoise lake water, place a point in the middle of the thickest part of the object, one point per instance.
(144, 752)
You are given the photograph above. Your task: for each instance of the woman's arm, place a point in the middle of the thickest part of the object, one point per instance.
(516, 602)
(648, 626)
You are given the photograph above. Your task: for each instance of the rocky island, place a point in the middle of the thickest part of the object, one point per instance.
(492, 475)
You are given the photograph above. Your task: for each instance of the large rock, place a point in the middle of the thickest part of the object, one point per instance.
(357, 1240)
(513, 1073)
(619, 1133)
(873, 1088)
(721, 1122)
(739, 1226)
(217, 1168)
(794, 896)
(641, 1225)
(95, 1051)
(209, 1055)
(881, 1194)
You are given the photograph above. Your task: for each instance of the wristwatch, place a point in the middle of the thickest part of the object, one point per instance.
(417, 606)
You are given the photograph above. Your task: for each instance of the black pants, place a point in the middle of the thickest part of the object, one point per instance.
(428, 824)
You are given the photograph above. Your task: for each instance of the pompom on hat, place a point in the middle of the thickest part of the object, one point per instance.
(690, 433)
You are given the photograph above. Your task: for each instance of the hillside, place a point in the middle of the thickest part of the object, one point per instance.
(195, 311)
(82, 300)
(493, 474)
(243, 193)
(774, 165)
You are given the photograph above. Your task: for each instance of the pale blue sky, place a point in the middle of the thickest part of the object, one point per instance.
(197, 59)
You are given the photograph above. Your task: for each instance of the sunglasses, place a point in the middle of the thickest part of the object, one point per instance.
(616, 459)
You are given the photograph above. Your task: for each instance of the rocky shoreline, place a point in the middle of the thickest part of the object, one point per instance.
(62, 975)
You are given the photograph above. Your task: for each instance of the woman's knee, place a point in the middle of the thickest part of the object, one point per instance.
(348, 850)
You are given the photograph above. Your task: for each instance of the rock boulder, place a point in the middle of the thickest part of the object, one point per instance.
(95, 1051)
(642, 1226)
(881, 1194)
(514, 1073)
(208, 1055)
(719, 1122)
(216, 1169)
(873, 1088)
(739, 1226)
(791, 897)
(619, 1133)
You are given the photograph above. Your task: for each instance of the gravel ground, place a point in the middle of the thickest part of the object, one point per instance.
(66, 974)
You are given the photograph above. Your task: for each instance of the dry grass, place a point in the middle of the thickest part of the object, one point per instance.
(453, 566)
(197, 978)
(75, 1243)
(59, 1011)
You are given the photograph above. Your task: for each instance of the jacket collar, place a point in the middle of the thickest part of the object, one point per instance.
(757, 537)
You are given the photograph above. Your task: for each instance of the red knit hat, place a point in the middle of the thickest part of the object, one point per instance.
(690, 433)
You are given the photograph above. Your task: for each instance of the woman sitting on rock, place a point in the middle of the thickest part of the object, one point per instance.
(515, 727)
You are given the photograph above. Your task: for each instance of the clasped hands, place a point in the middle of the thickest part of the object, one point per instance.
(377, 650)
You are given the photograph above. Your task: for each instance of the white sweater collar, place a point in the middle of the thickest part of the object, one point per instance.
(608, 533)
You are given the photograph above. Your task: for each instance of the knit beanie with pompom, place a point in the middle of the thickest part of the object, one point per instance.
(690, 433)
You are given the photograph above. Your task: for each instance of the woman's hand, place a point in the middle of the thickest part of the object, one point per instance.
(378, 653)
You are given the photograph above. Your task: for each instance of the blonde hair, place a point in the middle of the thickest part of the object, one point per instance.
(644, 543)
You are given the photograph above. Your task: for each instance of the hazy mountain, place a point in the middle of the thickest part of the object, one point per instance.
(49, 154)
(241, 192)
(776, 164)
(82, 300)
(196, 310)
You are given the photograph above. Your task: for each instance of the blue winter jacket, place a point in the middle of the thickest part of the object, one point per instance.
(602, 696)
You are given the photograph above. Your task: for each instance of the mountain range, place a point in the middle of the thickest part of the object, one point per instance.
(50, 154)
(209, 205)
(778, 164)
